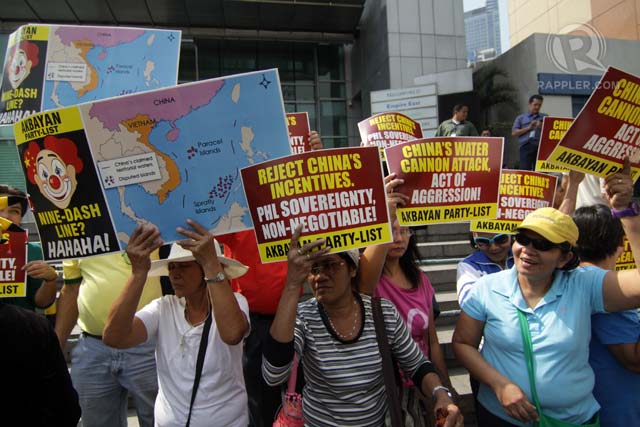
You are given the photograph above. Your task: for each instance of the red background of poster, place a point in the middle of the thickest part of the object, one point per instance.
(369, 176)
(590, 122)
(489, 181)
(298, 124)
(14, 248)
(368, 131)
(546, 143)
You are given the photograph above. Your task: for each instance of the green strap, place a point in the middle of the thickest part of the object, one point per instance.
(528, 352)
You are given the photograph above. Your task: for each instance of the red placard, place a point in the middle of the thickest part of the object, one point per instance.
(388, 129)
(447, 179)
(607, 129)
(13, 256)
(553, 129)
(298, 124)
(521, 192)
(336, 194)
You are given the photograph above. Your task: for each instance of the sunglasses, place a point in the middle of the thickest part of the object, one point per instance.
(498, 239)
(330, 267)
(538, 244)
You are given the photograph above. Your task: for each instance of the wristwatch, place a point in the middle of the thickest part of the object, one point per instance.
(218, 278)
(438, 388)
(632, 210)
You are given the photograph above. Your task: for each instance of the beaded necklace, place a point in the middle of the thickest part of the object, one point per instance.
(348, 335)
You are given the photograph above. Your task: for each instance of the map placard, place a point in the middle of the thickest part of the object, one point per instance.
(607, 129)
(388, 129)
(199, 135)
(521, 192)
(553, 129)
(336, 194)
(298, 124)
(447, 179)
(54, 66)
(13, 256)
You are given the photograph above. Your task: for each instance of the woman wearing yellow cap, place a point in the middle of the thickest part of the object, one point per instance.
(535, 319)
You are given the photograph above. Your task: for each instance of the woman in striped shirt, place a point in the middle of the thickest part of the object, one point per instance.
(335, 337)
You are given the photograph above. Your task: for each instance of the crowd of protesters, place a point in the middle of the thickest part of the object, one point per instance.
(548, 330)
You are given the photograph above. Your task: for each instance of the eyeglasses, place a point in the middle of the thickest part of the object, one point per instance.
(538, 244)
(498, 239)
(331, 267)
(403, 232)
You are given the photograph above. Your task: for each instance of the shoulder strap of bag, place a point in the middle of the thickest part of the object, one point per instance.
(388, 369)
(204, 341)
(528, 352)
(293, 376)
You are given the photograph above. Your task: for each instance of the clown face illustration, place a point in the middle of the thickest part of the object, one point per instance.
(55, 179)
(19, 68)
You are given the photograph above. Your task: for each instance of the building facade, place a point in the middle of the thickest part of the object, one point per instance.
(482, 30)
(615, 19)
(330, 55)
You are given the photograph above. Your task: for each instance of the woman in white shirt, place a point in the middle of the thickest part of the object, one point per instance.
(200, 279)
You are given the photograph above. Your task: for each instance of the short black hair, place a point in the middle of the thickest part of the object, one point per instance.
(536, 96)
(600, 233)
(459, 107)
(15, 196)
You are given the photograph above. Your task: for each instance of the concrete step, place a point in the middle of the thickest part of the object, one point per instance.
(440, 274)
(448, 300)
(444, 249)
(443, 232)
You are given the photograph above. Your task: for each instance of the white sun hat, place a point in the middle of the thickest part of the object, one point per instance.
(232, 268)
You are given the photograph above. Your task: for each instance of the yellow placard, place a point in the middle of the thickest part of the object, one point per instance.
(441, 214)
(11, 290)
(340, 241)
(29, 32)
(47, 123)
(587, 163)
(495, 226)
(544, 166)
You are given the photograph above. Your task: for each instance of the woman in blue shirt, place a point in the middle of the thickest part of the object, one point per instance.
(558, 301)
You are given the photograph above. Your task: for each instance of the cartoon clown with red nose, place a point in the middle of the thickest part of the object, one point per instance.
(54, 168)
(22, 58)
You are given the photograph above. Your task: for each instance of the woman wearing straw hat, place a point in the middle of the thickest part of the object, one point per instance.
(536, 320)
(199, 374)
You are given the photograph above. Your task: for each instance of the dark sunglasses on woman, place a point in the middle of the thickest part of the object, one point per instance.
(538, 244)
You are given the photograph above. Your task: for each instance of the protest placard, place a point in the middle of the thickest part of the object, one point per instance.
(521, 192)
(388, 129)
(298, 124)
(553, 129)
(607, 129)
(626, 261)
(447, 179)
(336, 194)
(54, 66)
(13, 256)
(69, 207)
(97, 170)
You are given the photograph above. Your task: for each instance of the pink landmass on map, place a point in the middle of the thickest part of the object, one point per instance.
(163, 104)
(105, 37)
(102, 54)
(173, 134)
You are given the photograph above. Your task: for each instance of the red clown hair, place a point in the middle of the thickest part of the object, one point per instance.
(65, 148)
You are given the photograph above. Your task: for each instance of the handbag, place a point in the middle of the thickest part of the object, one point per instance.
(545, 420)
(388, 367)
(290, 412)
